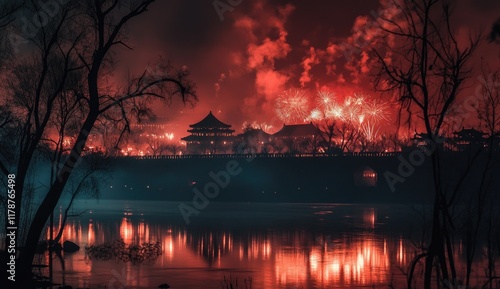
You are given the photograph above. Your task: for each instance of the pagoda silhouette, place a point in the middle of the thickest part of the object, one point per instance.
(209, 136)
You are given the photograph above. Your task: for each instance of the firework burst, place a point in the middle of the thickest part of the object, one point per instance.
(315, 115)
(357, 110)
(369, 130)
(353, 109)
(377, 111)
(292, 106)
(335, 111)
(325, 98)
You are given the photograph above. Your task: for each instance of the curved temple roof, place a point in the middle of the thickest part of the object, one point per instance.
(210, 121)
(297, 130)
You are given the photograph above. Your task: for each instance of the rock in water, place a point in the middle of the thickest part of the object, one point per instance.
(70, 247)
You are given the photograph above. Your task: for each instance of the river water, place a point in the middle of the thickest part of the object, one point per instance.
(276, 245)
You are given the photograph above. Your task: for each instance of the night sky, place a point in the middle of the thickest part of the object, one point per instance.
(242, 63)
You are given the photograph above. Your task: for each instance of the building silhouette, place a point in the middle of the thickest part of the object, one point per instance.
(469, 138)
(209, 136)
(299, 138)
(254, 140)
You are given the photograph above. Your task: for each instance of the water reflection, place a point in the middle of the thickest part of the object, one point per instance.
(311, 247)
(278, 258)
(126, 231)
(359, 262)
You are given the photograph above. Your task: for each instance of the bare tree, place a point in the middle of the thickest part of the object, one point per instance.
(428, 69)
(367, 144)
(174, 148)
(156, 145)
(390, 143)
(349, 136)
(482, 208)
(72, 58)
(8, 9)
(110, 135)
(488, 109)
(312, 144)
(327, 127)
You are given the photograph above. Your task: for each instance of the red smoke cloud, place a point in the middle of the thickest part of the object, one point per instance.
(243, 64)
(263, 49)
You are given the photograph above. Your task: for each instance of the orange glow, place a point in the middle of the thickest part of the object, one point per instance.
(168, 247)
(126, 231)
(401, 253)
(283, 261)
(143, 232)
(369, 218)
(361, 262)
(291, 267)
(91, 233)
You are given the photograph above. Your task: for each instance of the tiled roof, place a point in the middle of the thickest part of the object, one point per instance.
(210, 121)
(298, 130)
(255, 133)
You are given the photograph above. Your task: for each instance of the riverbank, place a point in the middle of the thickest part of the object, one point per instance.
(402, 178)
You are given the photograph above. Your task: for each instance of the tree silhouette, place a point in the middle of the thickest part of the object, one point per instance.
(174, 148)
(61, 89)
(427, 70)
(349, 136)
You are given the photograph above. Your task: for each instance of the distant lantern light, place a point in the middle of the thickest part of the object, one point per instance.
(365, 177)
